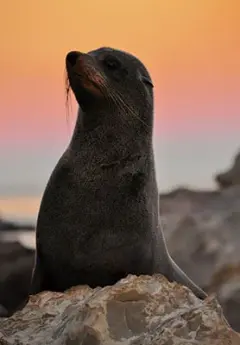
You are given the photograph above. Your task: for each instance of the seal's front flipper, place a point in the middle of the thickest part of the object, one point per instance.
(177, 275)
(37, 283)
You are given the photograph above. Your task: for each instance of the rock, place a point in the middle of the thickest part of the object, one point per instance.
(202, 233)
(227, 283)
(16, 264)
(230, 177)
(137, 310)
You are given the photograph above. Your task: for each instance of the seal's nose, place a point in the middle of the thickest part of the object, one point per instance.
(72, 57)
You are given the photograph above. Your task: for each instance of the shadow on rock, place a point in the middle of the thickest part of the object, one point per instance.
(16, 263)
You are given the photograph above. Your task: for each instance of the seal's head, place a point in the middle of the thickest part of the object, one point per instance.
(113, 82)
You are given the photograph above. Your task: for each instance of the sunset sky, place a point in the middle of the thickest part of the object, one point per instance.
(191, 47)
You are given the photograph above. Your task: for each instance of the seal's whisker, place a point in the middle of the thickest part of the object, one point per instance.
(115, 99)
(126, 106)
(113, 96)
(105, 89)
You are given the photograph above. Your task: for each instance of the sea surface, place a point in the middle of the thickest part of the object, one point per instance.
(190, 161)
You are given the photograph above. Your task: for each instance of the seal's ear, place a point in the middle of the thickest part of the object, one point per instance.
(147, 81)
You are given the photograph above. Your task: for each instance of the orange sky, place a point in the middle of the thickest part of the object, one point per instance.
(191, 47)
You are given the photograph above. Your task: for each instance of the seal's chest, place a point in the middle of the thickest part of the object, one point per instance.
(114, 256)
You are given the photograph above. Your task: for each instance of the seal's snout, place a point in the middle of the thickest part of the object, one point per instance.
(72, 57)
(84, 76)
(77, 60)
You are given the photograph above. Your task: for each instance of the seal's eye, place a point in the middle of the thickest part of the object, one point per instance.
(147, 81)
(112, 63)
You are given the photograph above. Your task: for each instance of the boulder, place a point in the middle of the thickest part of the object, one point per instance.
(135, 311)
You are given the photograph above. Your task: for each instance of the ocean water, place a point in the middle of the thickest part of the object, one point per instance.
(189, 161)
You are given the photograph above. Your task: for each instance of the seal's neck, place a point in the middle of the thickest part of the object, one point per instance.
(108, 131)
(87, 126)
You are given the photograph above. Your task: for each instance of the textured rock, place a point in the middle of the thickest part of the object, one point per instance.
(202, 230)
(230, 177)
(137, 310)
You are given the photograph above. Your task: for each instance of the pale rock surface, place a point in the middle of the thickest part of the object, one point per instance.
(136, 311)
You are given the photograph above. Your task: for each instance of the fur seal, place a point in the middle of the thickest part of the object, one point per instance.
(99, 216)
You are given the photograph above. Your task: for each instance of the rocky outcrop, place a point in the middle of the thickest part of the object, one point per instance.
(230, 177)
(137, 310)
(202, 230)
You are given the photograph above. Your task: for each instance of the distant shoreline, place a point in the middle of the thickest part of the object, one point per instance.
(12, 225)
